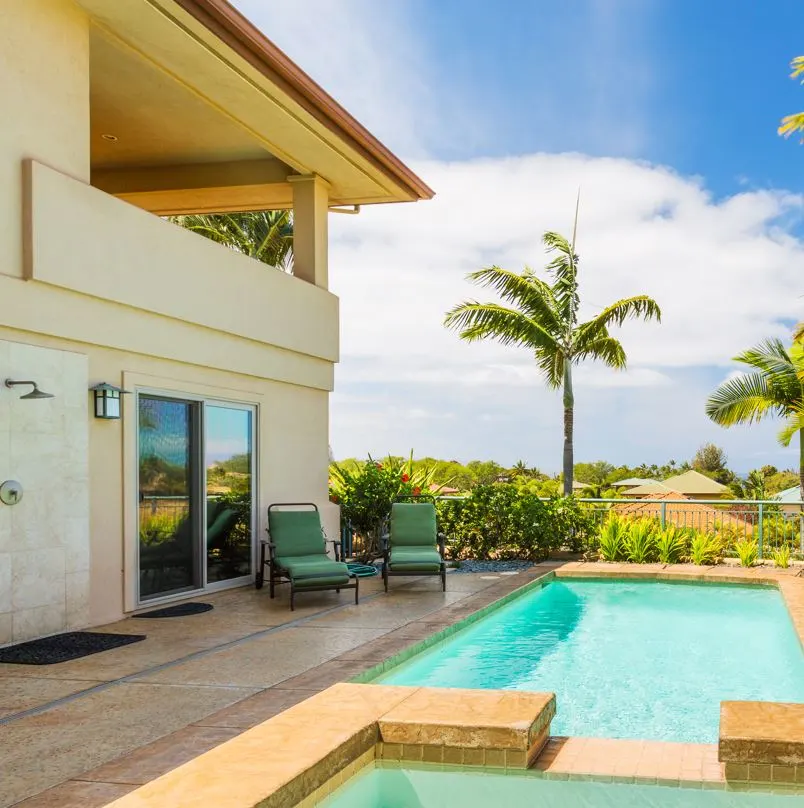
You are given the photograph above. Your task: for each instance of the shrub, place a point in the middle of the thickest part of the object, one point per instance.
(365, 495)
(781, 556)
(747, 551)
(639, 543)
(612, 538)
(672, 544)
(705, 549)
(508, 521)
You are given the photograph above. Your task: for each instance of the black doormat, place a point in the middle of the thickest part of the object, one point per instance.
(180, 610)
(64, 647)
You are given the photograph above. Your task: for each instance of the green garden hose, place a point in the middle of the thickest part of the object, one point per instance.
(361, 570)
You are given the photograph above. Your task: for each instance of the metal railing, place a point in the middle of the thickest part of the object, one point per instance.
(768, 522)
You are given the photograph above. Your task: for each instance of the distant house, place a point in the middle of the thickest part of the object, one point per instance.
(631, 482)
(790, 500)
(444, 490)
(692, 484)
(684, 511)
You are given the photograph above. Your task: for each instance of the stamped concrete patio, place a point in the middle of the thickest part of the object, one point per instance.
(86, 732)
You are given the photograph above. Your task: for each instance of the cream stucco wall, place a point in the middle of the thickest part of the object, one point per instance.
(44, 538)
(124, 297)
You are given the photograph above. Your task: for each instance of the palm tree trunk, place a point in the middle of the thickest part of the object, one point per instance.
(569, 414)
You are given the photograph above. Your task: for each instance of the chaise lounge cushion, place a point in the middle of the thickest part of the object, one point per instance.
(316, 570)
(413, 524)
(415, 559)
(296, 533)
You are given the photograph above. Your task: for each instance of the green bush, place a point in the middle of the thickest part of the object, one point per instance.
(781, 556)
(639, 542)
(611, 538)
(747, 551)
(507, 521)
(705, 549)
(672, 544)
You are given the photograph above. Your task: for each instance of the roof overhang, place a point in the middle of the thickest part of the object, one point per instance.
(214, 54)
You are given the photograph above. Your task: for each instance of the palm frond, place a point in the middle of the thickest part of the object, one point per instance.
(266, 236)
(742, 400)
(476, 321)
(605, 348)
(564, 269)
(630, 308)
(772, 359)
(798, 332)
(794, 423)
(551, 364)
(530, 293)
(791, 124)
(797, 68)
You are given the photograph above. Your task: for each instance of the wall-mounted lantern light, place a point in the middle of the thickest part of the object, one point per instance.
(107, 400)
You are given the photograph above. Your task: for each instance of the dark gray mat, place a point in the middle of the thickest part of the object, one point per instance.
(64, 647)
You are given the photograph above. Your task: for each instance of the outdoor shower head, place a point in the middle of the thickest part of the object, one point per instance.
(35, 393)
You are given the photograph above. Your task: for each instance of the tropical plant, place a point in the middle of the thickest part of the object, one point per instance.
(672, 544)
(639, 543)
(775, 386)
(794, 123)
(747, 551)
(705, 549)
(781, 556)
(542, 317)
(266, 235)
(365, 494)
(611, 540)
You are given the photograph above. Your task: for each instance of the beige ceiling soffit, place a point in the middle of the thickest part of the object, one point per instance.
(190, 176)
(231, 28)
(273, 148)
(231, 199)
(137, 18)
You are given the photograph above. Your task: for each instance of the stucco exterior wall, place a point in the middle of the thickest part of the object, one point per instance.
(44, 538)
(44, 95)
(92, 289)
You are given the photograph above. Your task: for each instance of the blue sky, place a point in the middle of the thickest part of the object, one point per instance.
(664, 112)
(702, 83)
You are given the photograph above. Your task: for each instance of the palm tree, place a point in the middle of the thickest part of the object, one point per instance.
(543, 317)
(775, 386)
(794, 123)
(266, 235)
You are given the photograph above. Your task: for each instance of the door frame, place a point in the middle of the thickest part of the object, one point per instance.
(201, 488)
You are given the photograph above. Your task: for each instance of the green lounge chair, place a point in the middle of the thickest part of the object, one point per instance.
(414, 546)
(297, 553)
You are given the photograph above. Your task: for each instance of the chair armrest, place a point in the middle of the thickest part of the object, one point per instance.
(338, 546)
(271, 548)
(442, 543)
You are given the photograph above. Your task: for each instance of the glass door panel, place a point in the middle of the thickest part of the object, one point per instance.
(169, 487)
(228, 459)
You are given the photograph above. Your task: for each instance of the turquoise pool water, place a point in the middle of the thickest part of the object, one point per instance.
(627, 659)
(419, 788)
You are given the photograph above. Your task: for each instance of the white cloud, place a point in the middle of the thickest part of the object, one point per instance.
(723, 271)
(726, 272)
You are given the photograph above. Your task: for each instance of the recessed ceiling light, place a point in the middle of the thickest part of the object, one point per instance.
(110, 138)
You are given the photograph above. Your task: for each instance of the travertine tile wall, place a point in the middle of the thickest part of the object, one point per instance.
(44, 539)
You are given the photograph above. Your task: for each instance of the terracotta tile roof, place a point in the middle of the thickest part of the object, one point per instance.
(688, 513)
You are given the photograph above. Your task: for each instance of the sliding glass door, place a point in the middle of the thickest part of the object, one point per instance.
(196, 500)
(229, 456)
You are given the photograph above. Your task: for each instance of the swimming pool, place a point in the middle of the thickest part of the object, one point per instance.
(627, 659)
(420, 788)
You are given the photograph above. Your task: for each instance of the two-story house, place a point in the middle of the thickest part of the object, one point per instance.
(116, 114)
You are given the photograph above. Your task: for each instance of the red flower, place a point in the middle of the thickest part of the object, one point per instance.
(378, 465)
(334, 498)
(416, 491)
(405, 477)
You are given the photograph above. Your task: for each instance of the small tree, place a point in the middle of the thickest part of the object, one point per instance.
(711, 460)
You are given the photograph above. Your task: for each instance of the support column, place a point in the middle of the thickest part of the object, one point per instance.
(310, 236)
